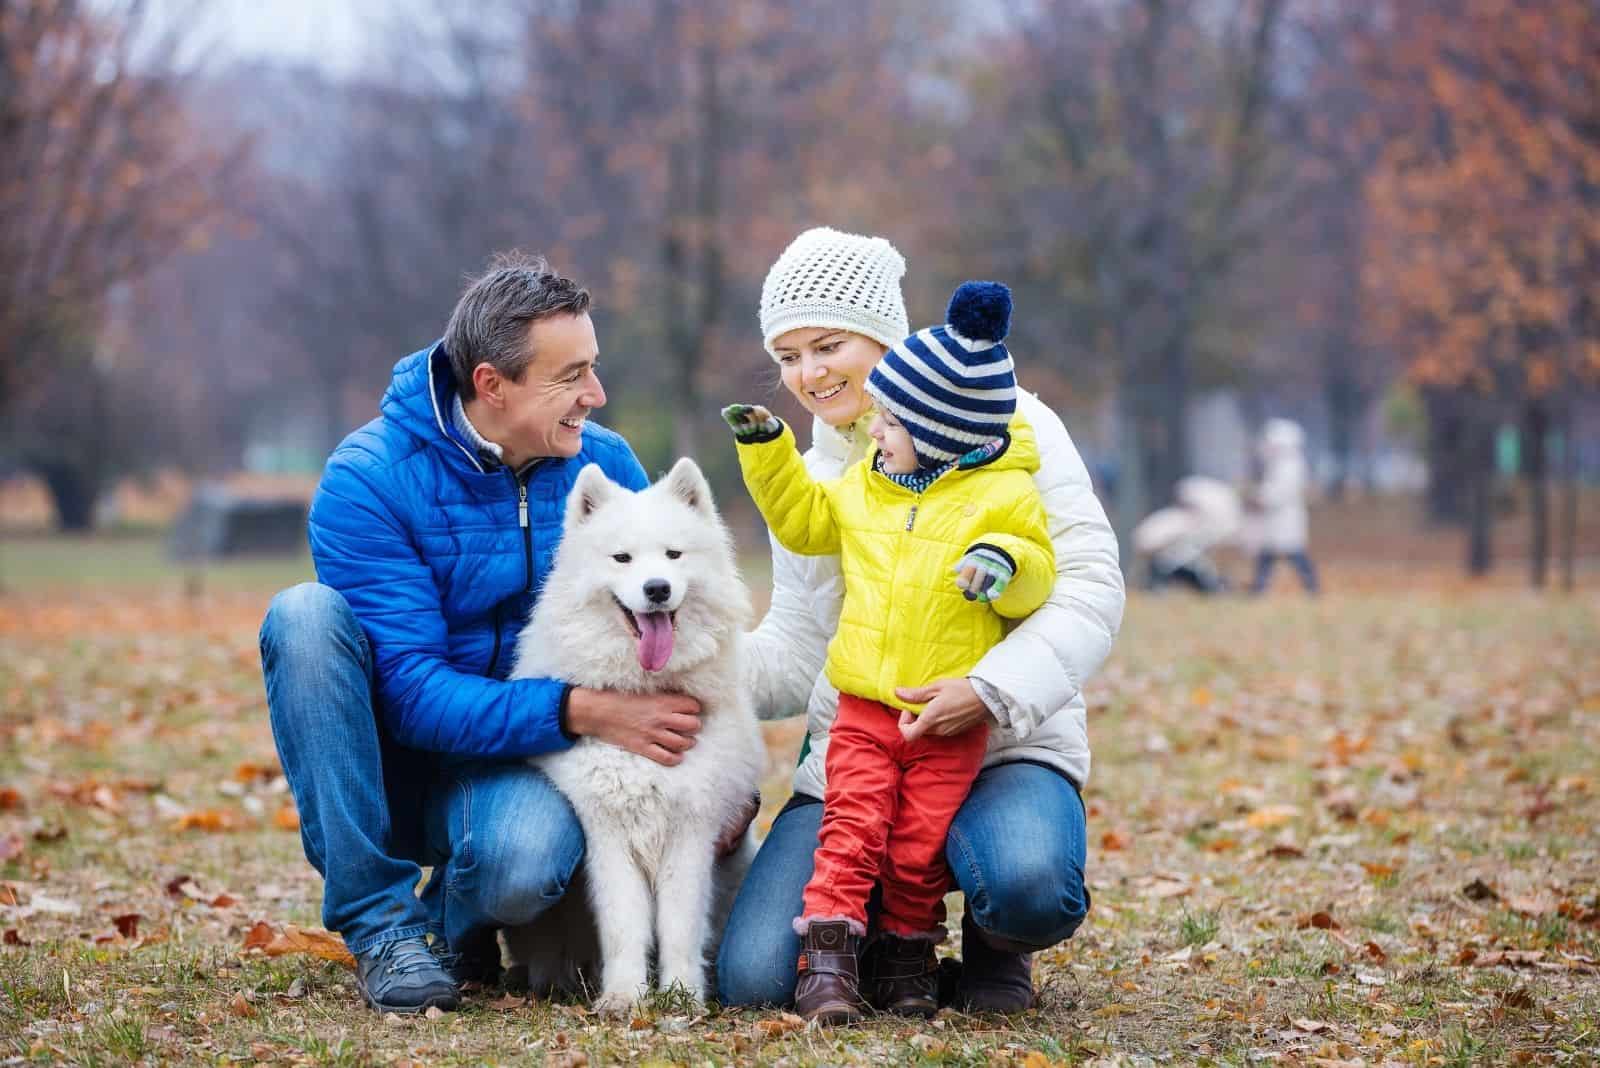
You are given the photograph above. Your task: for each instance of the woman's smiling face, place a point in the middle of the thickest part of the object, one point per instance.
(826, 369)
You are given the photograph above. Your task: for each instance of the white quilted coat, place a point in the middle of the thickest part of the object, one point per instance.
(1037, 672)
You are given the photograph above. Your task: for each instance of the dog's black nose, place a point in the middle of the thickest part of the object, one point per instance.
(658, 590)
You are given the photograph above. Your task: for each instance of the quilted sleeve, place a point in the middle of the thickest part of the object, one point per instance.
(363, 550)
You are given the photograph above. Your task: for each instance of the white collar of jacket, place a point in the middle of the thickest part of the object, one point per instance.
(842, 445)
(464, 427)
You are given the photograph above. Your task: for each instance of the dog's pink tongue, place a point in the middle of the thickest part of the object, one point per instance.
(655, 640)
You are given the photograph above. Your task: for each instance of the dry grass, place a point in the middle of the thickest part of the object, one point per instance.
(1356, 829)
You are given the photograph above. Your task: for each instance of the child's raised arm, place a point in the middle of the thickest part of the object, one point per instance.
(795, 506)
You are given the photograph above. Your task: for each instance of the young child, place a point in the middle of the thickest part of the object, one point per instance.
(948, 491)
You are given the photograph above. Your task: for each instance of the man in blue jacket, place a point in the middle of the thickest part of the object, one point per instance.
(432, 530)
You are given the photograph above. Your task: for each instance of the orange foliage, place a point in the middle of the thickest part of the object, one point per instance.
(1483, 261)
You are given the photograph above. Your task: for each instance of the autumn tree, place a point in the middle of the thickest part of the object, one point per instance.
(1486, 248)
(100, 177)
(1131, 149)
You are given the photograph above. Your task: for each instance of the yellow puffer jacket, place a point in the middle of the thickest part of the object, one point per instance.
(904, 622)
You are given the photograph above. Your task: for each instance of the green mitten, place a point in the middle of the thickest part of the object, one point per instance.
(983, 573)
(750, 422)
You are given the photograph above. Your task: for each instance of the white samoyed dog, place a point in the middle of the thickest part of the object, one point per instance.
(644, 597)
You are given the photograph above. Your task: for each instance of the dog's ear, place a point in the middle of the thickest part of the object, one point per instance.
(686, 483)
(591, 490)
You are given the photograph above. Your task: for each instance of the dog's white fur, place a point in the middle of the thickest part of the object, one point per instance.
(650, 830)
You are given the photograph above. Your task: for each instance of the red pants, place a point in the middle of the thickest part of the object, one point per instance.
(885, 816)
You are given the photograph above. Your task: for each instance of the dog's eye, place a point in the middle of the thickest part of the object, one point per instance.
(622, 558)
(673, 554)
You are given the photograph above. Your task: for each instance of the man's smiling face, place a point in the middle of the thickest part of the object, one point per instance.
(543, 413)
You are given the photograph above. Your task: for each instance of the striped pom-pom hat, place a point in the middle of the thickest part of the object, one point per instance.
(953, 386)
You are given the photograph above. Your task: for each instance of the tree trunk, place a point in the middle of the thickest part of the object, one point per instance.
(1479, 458)
(1132, 495)
(1448, 470)
(1569, 498)
(1344, 401)
(73, 490)
(1535, 468)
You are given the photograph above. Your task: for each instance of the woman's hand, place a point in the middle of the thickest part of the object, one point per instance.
(952, 706)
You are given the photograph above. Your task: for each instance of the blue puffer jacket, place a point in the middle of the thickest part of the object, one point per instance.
(425, 543)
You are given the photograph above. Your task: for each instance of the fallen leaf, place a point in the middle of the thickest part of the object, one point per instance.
(1311, 1027)
(259, 936)
(223, 901)
(1478, 890)
(1271, 816)
(127, 924)
(286, 818)
(1532, 905)
(248, 772)
(12, 938)
(507, 1003)
(10, 847)
(1375, 952)
(9, 798)
(1512, 957)
(211, 819)
(1113, 840)
(1518, 998)
(785, 1023)
(569, 1058)
(1320, 920)
(1221, 845)
(241, 1007)
(1377, 870)
(434, 1012)
(1285, 851)
(1370, 979)
(311, 941)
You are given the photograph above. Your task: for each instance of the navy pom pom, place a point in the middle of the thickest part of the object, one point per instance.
(980, 311)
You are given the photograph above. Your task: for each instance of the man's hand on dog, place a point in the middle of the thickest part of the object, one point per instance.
(660, 726)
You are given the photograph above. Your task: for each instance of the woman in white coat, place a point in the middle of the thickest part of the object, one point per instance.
(1280, 500)
(830, 307)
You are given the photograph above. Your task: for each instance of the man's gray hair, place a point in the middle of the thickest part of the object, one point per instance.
(491, 320)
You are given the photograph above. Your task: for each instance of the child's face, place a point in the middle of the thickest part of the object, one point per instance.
(894, 443)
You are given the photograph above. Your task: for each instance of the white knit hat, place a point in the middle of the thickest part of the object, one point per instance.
(828, 278)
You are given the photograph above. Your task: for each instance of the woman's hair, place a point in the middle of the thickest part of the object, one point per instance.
(491, 320)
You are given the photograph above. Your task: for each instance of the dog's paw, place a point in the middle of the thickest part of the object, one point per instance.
(616, 1004)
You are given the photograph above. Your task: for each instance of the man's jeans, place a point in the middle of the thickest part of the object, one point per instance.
(1302, 563)
(503, 841)
(1016, 849)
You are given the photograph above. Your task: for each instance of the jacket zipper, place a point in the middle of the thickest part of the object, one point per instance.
(911, 517)
(527, 531)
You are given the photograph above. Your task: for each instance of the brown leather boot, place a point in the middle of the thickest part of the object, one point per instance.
(829, 988)
(906, 977)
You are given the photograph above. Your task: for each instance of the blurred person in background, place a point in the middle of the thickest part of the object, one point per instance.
(831, 306)
(1277, 522)
(402, 741)
(1177, 540)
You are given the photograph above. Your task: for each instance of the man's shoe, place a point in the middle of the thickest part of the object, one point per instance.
(480, 966)
(403, 977)
(829, 987)
(905, 979)
(992, 980)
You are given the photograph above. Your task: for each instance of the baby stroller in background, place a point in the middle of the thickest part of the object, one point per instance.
(1177, 540)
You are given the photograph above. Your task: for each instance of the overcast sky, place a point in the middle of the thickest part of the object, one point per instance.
(334, 34)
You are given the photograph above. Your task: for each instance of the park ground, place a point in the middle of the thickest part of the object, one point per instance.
(1357, 829)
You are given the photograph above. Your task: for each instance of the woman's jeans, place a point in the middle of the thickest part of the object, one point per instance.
(502, 840)
(1016, 849)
